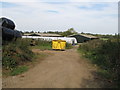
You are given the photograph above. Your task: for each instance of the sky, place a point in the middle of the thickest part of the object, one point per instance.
(89, 16)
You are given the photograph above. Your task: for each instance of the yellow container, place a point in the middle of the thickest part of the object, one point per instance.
(58, 44)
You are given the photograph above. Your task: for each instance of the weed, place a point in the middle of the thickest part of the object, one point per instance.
(104, 74)
(68, 46)
(18, 70)
(16, 53)
(42, 44)
(106, 55)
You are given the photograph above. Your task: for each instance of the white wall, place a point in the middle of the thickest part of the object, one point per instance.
(67, 39)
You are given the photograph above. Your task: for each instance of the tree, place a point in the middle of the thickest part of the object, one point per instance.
(32, 32)
(70, 31)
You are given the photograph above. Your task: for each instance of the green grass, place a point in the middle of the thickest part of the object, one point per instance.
(104, 39)
(40, 56)
(41, 47)
(46, 45)
(42, 44)
(16, 53)
(69, 46)
(104, 54)
(104, 74)
(18, 70)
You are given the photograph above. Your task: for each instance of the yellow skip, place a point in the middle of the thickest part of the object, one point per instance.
(58, 44)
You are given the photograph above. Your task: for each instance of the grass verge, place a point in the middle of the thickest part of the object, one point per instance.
(18, 70)
(17, 53)
(104, 54)
(69, 46)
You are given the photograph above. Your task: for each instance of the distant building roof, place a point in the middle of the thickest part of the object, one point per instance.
(89, 36)
(26, 34)
(43, 35)
(85, 35)
(34, 34)
(50, 35)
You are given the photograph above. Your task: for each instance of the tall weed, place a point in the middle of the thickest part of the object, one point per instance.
(106, 54)
(16, 53)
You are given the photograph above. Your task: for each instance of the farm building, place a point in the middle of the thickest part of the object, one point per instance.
(43, 35)
(83, 38)
(50, 37)
(71, 40)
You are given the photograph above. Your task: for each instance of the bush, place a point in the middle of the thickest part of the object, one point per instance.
(106, 54)
(68, 46)
(16, 53)
(42, 44)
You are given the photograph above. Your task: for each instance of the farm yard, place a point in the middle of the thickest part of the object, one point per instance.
(59, 44)
(47, 68)
(61, 69)
(64, 60)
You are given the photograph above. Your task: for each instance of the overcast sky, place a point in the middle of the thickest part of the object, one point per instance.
(90, 16)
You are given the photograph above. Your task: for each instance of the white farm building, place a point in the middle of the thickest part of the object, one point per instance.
(71, 40)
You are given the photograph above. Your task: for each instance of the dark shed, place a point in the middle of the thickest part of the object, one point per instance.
(83, 38)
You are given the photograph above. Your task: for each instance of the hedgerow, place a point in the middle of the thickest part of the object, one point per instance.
(105, 54)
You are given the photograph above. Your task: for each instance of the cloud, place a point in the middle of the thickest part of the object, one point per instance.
(61, 0)
(52, 11)
(8, 5)
(98, 6)
(94, 17)
(57, 3)
(94, 0)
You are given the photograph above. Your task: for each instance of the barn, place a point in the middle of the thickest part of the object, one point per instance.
(83, 37)
(50, 37)
(43, 35)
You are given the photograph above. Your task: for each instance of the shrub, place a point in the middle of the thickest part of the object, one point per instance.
(106, 54)
(68, 46)
(16, 53)
(42, 44)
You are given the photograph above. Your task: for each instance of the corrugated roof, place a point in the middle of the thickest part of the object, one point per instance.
(85, 35)
(89, 36)
(44, 35)
(26, 34)
(49, 35)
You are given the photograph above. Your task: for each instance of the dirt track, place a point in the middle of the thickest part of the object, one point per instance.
(63, 69)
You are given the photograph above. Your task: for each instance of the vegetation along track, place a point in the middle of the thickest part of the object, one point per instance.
(63, 69)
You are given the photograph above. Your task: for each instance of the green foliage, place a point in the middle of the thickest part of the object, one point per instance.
(105, 74)
(18, 70)
(70, 31)
(104, 39)
(16, 53)
(106, 54)
(43, 44)
(68, 46)
(47, 45)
